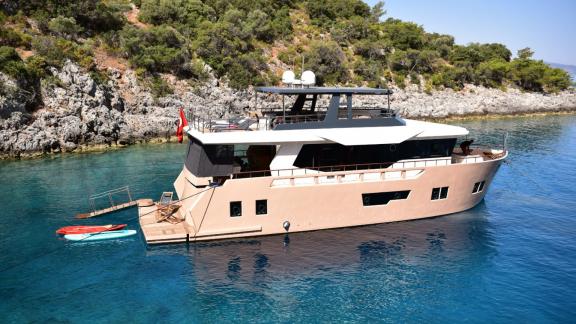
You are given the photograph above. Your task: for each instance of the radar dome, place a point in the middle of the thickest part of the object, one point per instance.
(308, 78)
(288, 77)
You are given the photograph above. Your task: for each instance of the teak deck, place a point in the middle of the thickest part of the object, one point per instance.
(160, 232)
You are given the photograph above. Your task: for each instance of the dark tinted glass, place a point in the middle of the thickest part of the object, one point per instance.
(235, 208)
(261, 207)
(383, 198)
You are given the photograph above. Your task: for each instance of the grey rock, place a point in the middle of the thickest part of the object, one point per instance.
(82, 112)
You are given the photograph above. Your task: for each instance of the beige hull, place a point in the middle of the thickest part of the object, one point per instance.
(315, 201)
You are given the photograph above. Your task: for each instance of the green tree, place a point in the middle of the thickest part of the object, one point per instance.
(525, 53)
(555, 80)
(403, 35)
(493, 73)
(377, 11)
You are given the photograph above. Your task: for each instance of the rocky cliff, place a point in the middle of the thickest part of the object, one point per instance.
(77, 113)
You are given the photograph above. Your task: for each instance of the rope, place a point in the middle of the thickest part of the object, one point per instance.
(205, 211)
(512, 167)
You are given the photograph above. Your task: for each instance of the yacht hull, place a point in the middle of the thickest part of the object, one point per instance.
(317, 201)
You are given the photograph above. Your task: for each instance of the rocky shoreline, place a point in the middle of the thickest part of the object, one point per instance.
(78, 114)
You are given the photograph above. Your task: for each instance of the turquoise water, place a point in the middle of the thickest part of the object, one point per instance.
(510, 259)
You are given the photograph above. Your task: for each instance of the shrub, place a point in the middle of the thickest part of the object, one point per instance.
(158, 49)
(325, 12)
(27, 82)
(368, 70)
(246, 70)
(186, 12)
(400, 81)
(93, 15)
(428, 86)
(555, 80)
(10, 62)
(160, 88)
(450, 77)
(415, 78)
(64, 26)
(56, 51)
(328, 61)
(493, 73)
(13, 38)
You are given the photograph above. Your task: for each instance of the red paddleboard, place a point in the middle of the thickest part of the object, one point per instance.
(79, 229)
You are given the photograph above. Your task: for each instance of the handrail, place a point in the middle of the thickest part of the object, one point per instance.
(346, 167)
(332, 168)
(111, 191)
(274, 117)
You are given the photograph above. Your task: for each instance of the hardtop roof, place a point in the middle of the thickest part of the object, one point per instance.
(325, 90)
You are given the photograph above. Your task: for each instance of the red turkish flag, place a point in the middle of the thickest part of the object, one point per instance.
(182, 122)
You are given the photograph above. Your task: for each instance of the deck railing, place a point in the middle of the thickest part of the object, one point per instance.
(272, 117)
(483, 155)
(337, 168)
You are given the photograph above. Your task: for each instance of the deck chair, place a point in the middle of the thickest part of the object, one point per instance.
(165, 207)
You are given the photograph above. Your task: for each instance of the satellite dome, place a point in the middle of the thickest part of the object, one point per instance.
(288, 77)
(308, 78)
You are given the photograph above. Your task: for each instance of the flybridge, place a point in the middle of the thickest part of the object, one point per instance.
(325, 90)
(304, 113)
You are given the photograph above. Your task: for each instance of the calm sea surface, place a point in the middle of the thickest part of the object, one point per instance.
(510, 259)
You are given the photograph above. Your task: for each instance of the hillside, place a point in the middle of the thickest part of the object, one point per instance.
(113, 72)
(249, 42)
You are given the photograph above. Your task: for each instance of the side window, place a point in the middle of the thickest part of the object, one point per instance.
(383, 198)
(235, 208)
(443, 192)
(435, 193)
(261, 207)
(478, 187)
(439, 193)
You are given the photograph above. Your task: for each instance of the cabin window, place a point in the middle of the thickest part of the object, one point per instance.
(439, 193)
(478, 187)
(322, 155)
(220, 154)
(235, 208)
(383, 198)
(261, 207)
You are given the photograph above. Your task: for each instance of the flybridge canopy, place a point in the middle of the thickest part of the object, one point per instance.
(325, 90)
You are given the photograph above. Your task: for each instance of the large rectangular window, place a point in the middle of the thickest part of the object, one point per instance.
(383, 198)
(439, 193)
(321, 155)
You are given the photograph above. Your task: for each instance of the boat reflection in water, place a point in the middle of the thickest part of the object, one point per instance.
(455, 240)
